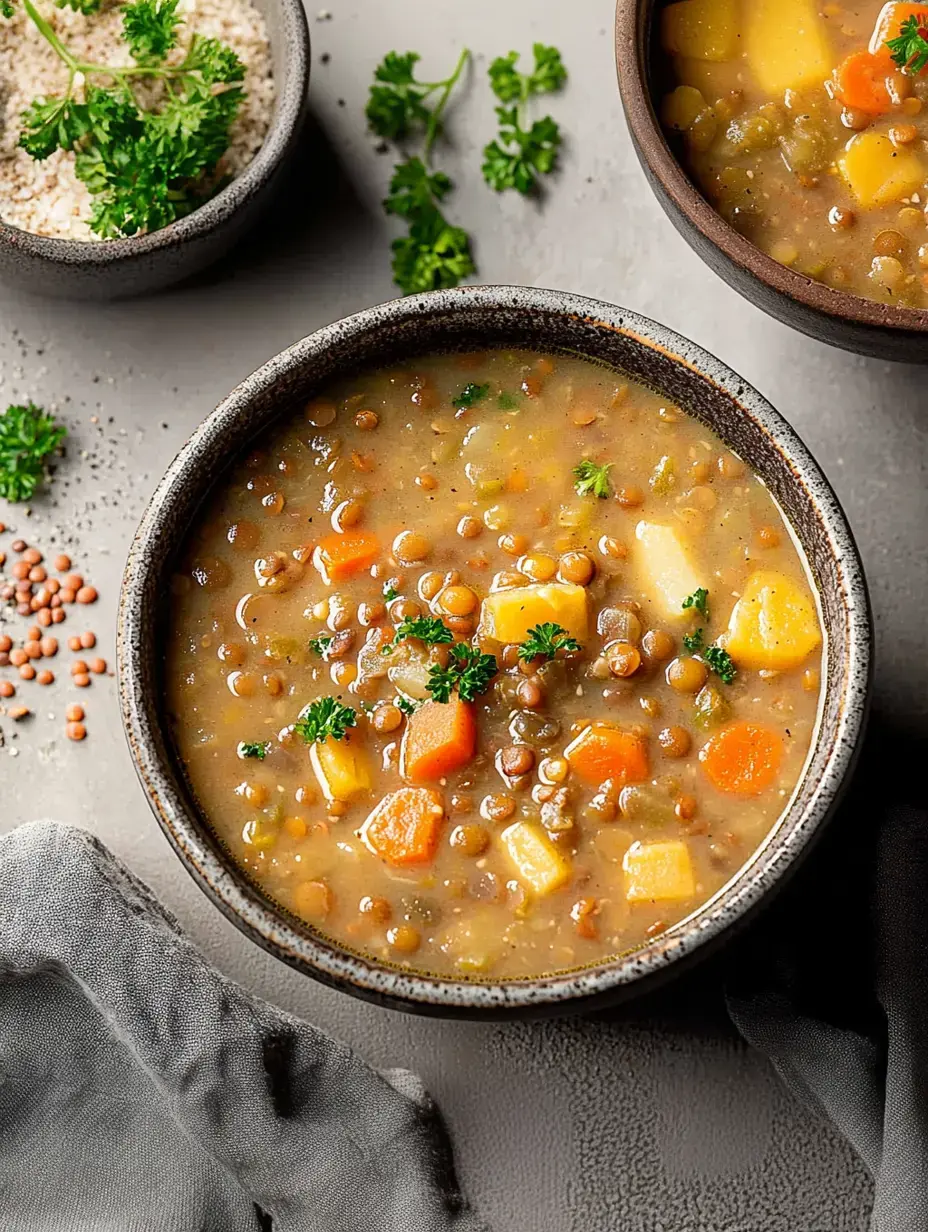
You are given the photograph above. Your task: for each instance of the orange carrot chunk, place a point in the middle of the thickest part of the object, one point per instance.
(440, 737)
(341, 556)
(742, 759)
(602, 752)
(404, 827)
(891, 20)
(860, 81)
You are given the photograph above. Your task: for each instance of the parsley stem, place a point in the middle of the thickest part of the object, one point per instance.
(435, 118)
(50, 36)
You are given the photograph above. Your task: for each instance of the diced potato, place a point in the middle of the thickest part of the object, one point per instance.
(704, 29)
(786, 44)
(711, 80)
(681, 107)
(774, 625)
(537, 861)
(658, 872)
(507, 615)
(878, 172)
(667, 571)
(473, 943)
(341, 768)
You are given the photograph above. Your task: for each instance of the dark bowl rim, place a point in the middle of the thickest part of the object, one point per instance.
(631, 46)
(285, 122)
(564, 992)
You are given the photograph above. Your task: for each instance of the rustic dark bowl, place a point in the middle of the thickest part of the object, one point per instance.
(836, 317)
(470, 318)
(115, 269)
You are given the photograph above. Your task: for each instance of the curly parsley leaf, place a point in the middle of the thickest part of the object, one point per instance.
(325, 719)
(27, 437)
(720, 662)
(693, 642)
(396, 103)
(469, 670)
(433, 256)
(390, 593)
(590, 478)
(406, 706)
(79, 6)
(545, 640)
(469, 396)
(7, 9)
(522, 152)
(320, 645)
(909, 50)
(429, 629)
(253, 749)
(698, 601)
(150, 29)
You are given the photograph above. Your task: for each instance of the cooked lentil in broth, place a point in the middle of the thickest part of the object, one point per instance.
(644, 718)
(805, 132)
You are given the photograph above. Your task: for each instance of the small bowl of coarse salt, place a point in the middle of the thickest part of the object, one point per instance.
(140, 139)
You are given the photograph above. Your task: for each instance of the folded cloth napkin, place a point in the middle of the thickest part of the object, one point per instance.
(833, 983)
(140, 1091)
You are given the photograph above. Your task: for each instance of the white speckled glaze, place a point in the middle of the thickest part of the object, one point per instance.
(114, 269)
(468, 318)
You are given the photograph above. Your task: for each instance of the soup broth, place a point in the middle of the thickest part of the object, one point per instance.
(492, 665)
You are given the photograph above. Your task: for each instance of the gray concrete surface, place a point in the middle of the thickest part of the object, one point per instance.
(655, 1119)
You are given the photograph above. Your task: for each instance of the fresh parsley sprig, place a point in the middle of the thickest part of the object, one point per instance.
(545, 640)
(910, 49)
(249, 749)
(325, 719)
(698, 601)
(27, 437)
(145, 165)
(522, 152)
(320, 645)
(429, 629)
(469, 670)
(720, 662)
(591, 478)
(435, 253)
(469, 396)
(693, 642)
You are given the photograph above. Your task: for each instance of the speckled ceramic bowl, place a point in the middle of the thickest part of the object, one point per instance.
(469, 318)
(838, 317)
(69, 269)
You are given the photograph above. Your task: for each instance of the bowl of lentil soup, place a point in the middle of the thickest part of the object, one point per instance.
(493, 652)
(787, 143)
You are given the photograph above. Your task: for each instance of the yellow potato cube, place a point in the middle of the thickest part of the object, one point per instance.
(878, 172)
(667, 573)
(704, 29)
(507, 615)
(681, 107)
(774, 625)
(786, 44)
(341, 768)
(535, 858)
(658, 872)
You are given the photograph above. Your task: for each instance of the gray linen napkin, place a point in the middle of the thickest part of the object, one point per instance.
(140, 1091)
(833, 984)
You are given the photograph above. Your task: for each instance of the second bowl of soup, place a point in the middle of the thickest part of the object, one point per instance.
(495, 668)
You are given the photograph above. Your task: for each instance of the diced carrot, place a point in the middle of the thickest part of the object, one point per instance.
(860, 81)
(602, 752)
(742, 759)
(405, 825)
(891, 20)
(440, 737)
(341, 556)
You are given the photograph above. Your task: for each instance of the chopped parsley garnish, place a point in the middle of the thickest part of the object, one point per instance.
(434, 253)
(698, 601)
(145, 163)
(27, 437)
(406, 706)
(428, 629)
(253, 749)
(521, 153)
(390, 593)
(545, 640)
(320, 645)
(591, 478)
(720, 662)
(910, 49)
(693, 642)
(469, 671)
(507, 402)
(469, 396)
(325, 719)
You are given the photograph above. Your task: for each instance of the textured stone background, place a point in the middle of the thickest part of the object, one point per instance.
(652, 1120)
